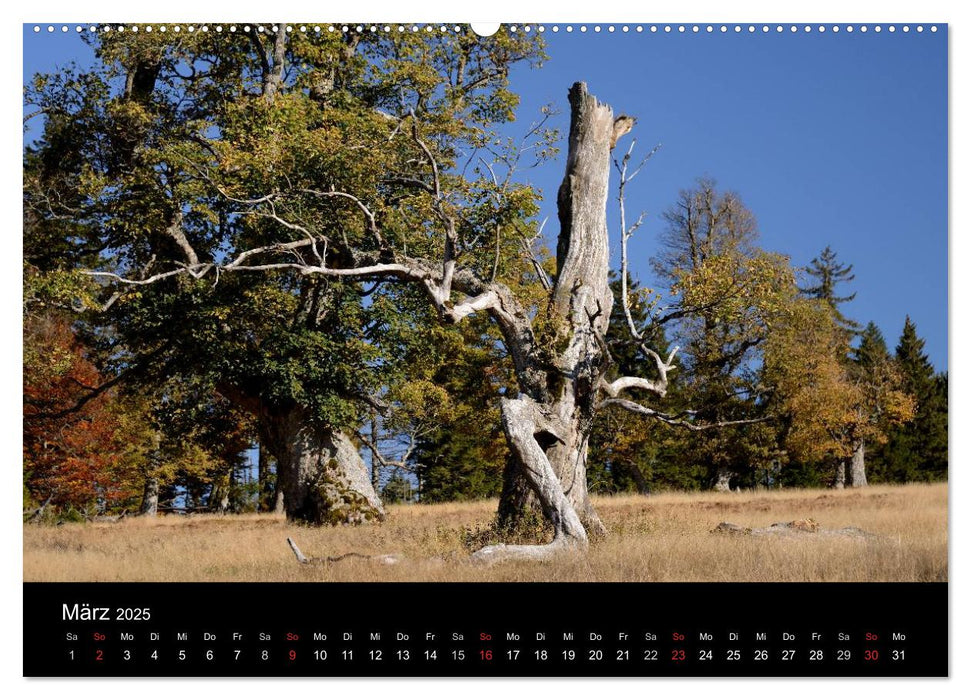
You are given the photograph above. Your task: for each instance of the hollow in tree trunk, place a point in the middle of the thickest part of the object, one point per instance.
(518, 503)
(858, 467)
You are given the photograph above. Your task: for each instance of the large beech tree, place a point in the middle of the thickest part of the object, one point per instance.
(148, 165)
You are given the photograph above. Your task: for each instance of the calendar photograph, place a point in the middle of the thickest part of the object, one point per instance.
(312, 303)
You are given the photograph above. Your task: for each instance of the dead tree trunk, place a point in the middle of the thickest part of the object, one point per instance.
(858, 467)
(548, 425)
(518, 502)
(320, 473)
(149, 505)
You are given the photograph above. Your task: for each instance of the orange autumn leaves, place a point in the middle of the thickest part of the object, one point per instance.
(71, 456)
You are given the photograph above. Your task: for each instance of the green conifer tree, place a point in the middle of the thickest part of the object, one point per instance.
(827, 272)
(918, 450)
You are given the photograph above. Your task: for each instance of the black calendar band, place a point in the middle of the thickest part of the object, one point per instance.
(485, 629)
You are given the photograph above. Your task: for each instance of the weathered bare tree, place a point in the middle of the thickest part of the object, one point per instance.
(559, 353)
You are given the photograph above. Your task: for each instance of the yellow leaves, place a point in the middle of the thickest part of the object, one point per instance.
(191, 459)
(420, 401)
(831, 405)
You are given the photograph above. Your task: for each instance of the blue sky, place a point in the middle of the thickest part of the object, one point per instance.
(830, 139)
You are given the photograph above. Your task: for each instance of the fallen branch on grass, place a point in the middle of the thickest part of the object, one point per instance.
(37, 514)
(387, 559)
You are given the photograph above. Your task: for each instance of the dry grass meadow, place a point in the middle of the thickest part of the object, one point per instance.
(652, 538)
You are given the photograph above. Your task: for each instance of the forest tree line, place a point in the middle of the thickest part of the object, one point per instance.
(144, 388)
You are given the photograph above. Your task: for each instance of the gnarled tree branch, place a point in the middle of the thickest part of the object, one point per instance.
(635, 407)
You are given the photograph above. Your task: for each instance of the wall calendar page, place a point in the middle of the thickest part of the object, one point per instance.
(448, 350)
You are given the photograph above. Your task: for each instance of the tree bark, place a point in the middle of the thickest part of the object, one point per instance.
(723, 480)
(858, 467)
(279, 505)
(548, 425)
(219, 496)
(265, 497)
(517, 501)
(149, 505)
(272, 64)
(375, 464)
(840, 480)
(320, 473)
(320, 476)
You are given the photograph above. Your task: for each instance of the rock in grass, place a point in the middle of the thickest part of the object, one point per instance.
(794, 528)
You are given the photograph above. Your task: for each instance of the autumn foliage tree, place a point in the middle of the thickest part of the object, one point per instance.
(883, 400)
(91, 445)
(804, 362)
(724, 294)
(831, 408)
(79, 451)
